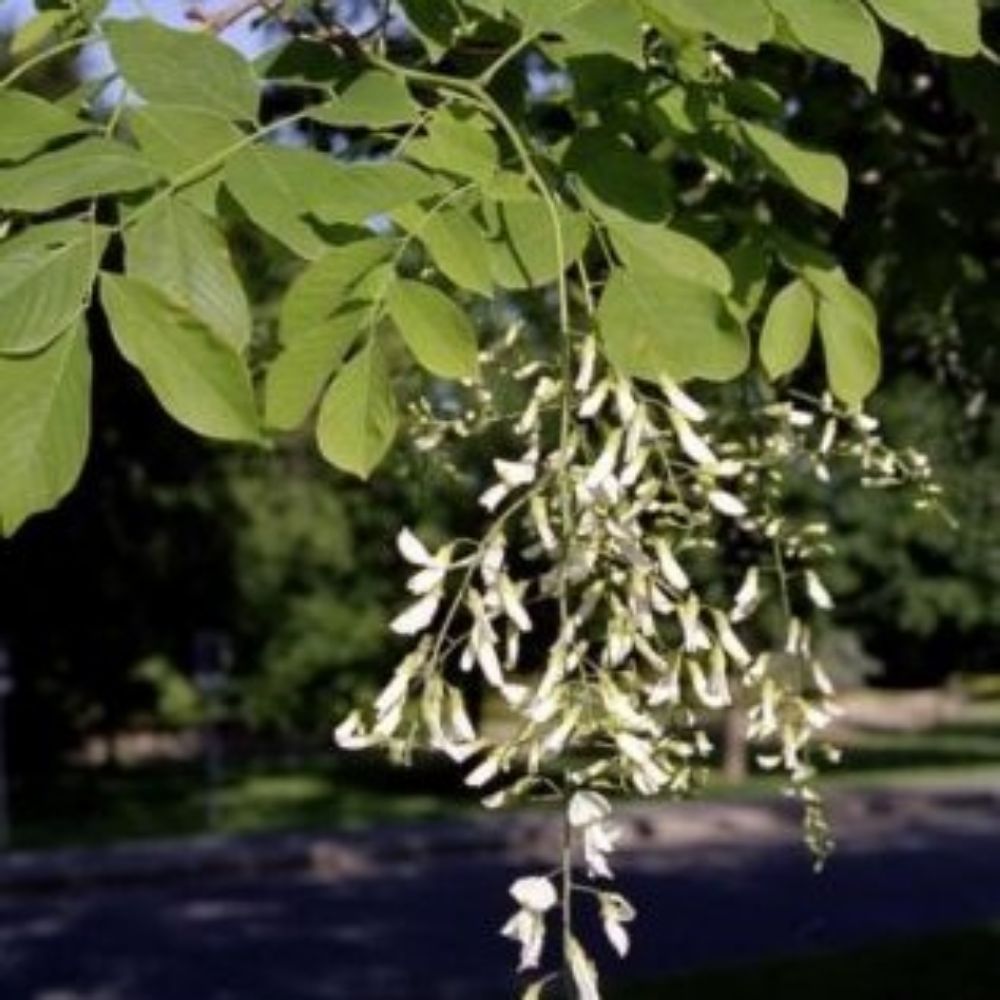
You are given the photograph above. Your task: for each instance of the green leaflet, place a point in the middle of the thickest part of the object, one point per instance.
(455, 242)
(179, 140)
(437, 331)
(821, 177)
(357, 192)
(183, 67)
(434, 23)
(744, 24)
(455, 144)
(522, 242)
(949, 26)
(788, 330)
(358, 417)
(46, 276)
(658, 324)
(375, 99)
(30, 124)
(292, 193)
(199, 379)
(182, 253)
(589, 27)
(848, 327)
(295, 379)
(86, 169)
(617, 182)
(650, 248)
(44, 426)
(343, 275)
(271, 184)
(843, 30)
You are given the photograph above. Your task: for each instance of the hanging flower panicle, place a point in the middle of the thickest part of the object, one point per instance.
(590, 609)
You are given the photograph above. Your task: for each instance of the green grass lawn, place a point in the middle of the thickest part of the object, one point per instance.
(959, 966)
(92, 806)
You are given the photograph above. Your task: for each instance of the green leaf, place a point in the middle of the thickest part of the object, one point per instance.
(36, 30)
(86, 169)
(651, 248)
(44, 426)
(437, 331)
(374, 100)
(46, 275)
(744, 24)
(199, 379)
(30, 124)
(838, 29)
(788, 329)
(457, 144)
(343, 275)
(178, 140)
(295, 379)
(848, 327)
(270, 184)
(949, 26)
(598, 27)
(455, 242)
(360, 191)
(183, 67)
(182, 253)
(358, 417)
(821, 177)
(522, 242)
(434, 23)
(658, 324)
(618, 182)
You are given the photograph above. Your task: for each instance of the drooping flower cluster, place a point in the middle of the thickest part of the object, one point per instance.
(594, 610)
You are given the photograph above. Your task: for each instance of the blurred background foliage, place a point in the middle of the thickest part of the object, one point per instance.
(167, 535)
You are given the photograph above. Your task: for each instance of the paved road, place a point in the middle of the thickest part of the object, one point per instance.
(424, 929)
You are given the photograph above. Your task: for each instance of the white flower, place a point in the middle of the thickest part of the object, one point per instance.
(616, 912)
(350, 734)
(413, 550)
(587, 807)
(747, 597)
(692, 444)
(484, 773)
(602, 469)
(494, 496)
(417, 617)
(671, 569)
(726, 503)
(514, 474)
(534, 893)
(818, 594)
(591, 406)
(730, 641)
(682, 402)
(588, 359)
(535, 896)
(510, 598)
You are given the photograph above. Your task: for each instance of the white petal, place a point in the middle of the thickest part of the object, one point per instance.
(818, 594)
(426, 580)
(494, 496)
(588, 807)
(726, 503)
(535, 893)
(413, 550)
(682, 402)
(618, 936)
(416, 617)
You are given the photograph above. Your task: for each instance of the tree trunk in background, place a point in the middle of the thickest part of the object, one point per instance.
(734, 746)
